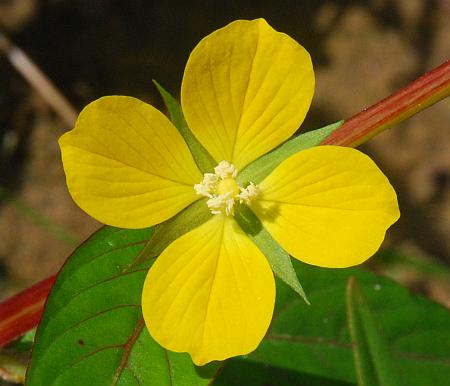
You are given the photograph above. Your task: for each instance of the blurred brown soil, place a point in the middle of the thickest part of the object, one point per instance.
(363, 50)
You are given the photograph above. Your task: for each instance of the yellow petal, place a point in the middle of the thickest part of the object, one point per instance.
(328, 206)
(246, 89)
(211, 293)
(126, 165)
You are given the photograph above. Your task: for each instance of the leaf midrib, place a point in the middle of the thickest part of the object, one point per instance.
(128, 346)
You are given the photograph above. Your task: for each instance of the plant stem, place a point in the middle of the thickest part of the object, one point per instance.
(418, 95)
(23, 311)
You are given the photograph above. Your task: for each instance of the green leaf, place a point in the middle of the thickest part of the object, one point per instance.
(374, 363)
(92, 331)
(238, 372)
(279, 260)
(315, 339)
(261, 168)
(204, 160)
(392, 260)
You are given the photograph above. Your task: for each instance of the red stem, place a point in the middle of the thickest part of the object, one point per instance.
(418, 95)
(23, 311)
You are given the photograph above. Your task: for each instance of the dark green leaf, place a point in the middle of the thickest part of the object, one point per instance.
(394, 260)
(201, 156)
(261, 168)
(92, 331)
(238, 372)
(315, 339)
(374, 363)
(24, 343)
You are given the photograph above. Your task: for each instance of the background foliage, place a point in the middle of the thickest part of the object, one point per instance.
(93, 329)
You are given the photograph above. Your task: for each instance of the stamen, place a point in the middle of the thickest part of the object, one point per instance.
(248, 194)
(216, 204)
(210, 178)
(229, 206)
(202, 190)
(225, 170)
(207, 186)
(223, 191)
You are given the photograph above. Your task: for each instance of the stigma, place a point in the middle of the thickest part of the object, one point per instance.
(223, 191)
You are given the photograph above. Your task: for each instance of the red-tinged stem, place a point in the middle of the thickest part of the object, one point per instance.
(418, 95)
(23, 311)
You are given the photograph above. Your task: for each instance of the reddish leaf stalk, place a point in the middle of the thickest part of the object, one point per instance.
(23, 311)
(418, 95)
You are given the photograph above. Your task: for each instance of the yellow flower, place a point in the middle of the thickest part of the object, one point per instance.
(246, 89)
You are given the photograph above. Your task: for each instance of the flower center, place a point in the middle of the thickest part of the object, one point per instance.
(223, 191)
(227, 186)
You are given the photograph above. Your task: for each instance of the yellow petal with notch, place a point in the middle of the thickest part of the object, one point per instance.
(328, 206)
(246, 89)
(126, 165)
(211, 293)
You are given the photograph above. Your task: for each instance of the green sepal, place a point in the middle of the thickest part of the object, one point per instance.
(373, 360)
(279, 260)
(259, 169)
(165, 233)
(203, 159)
